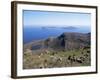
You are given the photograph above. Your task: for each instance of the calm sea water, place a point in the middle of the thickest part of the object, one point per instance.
(37, 33)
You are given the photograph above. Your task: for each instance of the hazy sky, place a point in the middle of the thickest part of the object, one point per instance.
(44, 18)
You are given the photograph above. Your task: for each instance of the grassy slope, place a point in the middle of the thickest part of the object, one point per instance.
(56, 59)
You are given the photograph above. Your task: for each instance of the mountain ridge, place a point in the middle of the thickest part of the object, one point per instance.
(65, 41)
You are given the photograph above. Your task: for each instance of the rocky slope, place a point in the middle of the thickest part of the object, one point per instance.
(66, 41)
(66, 50)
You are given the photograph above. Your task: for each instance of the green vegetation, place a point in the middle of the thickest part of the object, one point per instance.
(51, 59)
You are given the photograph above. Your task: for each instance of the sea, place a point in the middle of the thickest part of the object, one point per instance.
(37, 33)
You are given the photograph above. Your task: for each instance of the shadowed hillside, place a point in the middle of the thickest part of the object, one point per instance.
(66, 41)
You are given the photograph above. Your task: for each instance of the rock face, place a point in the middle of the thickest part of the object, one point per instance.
(66, 41)
(70, 41)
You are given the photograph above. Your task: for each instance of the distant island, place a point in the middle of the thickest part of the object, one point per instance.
(65, 27)
(69, 27)
(65, 50)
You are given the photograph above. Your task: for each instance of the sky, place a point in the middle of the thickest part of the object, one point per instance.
(48, 18)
